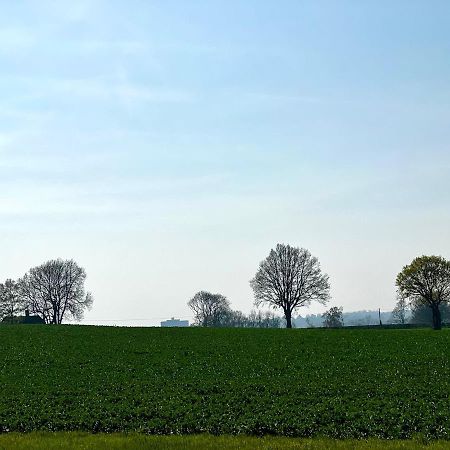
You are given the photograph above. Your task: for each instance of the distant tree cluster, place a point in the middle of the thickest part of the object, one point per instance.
(287, 279)
(333, 318)
(53, 291)
(209, 309)
(290, 278)
(418, 314)
(400, 312)
(423, 315)
(351, 318)
(214, 310)
(11, 300)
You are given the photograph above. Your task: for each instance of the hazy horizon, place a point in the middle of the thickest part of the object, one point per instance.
(166, 147)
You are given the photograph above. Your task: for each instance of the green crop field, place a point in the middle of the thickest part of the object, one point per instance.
(365, 383)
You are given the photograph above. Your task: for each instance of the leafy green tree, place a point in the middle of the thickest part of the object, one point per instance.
(333, 318)
(426, 281)
(288, 279)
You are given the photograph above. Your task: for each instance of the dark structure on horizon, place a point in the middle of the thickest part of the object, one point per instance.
(26, 319)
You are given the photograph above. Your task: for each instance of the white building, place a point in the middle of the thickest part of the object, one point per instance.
(175, 323)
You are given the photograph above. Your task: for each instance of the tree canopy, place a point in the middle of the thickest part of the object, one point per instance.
(11, 301)
(209, 309)
(55, 291)
(400, 312)
(426, 281)
(288, 279)
(333, 318)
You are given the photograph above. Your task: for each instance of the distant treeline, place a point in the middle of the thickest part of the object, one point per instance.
(355, 318)
(256, 319)
(214, 310)
(418, 315)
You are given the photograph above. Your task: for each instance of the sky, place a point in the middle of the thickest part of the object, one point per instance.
(167, 146)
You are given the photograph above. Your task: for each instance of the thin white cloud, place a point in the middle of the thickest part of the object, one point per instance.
(46, 184)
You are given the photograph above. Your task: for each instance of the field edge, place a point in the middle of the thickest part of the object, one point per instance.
(131, 441)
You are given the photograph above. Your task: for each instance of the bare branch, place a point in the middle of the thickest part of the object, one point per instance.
(55, 291)
(288, 279)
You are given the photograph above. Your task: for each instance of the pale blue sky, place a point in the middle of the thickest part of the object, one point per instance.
(167, 146)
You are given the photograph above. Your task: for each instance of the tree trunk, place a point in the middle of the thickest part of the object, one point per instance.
(288, 316)
(437, 322)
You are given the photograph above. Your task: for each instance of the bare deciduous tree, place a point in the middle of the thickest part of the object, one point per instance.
(256, 319)
(210, 310)
(55, 291)
(288, 279)
(260, 319)
(426, 281)
(11, 302)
